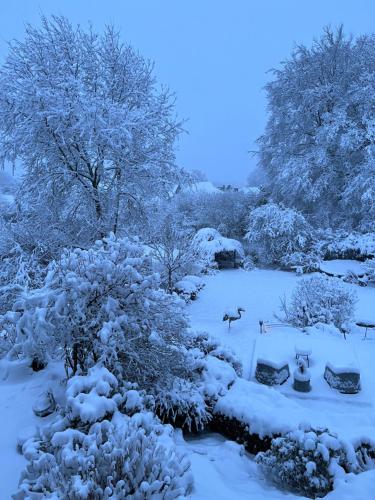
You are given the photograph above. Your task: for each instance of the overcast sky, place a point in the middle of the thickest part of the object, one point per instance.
(214, 54)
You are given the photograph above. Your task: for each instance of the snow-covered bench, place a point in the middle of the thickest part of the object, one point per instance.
(271, 372)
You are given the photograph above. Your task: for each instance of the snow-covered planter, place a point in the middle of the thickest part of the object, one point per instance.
(345, 379)
(276, 232)
(306, 461)
(320, 299)
(216, 251)
(302, 377)
(93, 451)
(271, 372)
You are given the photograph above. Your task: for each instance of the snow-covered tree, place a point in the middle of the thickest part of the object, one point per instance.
(318, 146)
(94, 132)
(275, 232)
(225, 211)
(320, 299)
(170, 244)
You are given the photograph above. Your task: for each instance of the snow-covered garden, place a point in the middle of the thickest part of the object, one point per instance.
(161, 338)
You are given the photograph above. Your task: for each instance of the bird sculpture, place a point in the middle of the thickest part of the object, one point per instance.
(232, 315)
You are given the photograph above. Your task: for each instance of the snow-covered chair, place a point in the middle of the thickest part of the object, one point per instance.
(271, 372)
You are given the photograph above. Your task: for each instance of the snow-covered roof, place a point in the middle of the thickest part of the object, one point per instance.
(201, 187)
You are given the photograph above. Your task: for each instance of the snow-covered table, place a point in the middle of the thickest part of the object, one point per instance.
(366, 323)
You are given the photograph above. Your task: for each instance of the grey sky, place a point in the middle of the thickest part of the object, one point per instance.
(213, 53)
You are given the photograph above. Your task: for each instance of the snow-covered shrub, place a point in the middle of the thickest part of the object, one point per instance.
(213, 369)
(103, 303)
(320, 299)
(97, 452)
(307, 262)
(189, 287)
(306, 461)
(202, 342)
(341, 244)
(275, 232)
(208, 242)
(20, 273)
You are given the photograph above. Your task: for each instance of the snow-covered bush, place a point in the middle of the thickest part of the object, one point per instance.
(208, 242)
(341, 244)
(306, 262)
(276, 232)
(93, 451)
(213, 369)
(320, 299)
(189, 287)
(306, 461)
(103, 303)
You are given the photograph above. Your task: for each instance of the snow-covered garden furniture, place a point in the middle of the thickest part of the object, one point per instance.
(301, 382)
(346, 379)
(303, 351)
(368, 324)
(271, 372)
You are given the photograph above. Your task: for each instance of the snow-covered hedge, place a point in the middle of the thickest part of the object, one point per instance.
(94, 451)
(275, 232)
(344, 245)
(307, 461)
(320, 299)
